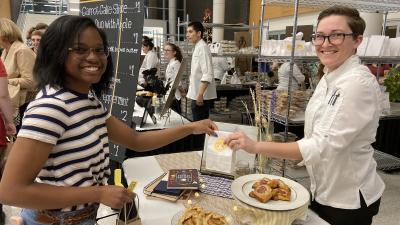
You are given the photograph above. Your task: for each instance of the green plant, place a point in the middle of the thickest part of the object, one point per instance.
(392, 83)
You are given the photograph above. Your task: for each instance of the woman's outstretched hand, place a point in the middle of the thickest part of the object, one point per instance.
(239, 140)
(204, 126)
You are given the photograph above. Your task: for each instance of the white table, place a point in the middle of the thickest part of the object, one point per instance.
(154, 211)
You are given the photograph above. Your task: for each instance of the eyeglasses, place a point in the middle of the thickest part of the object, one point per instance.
(335, 38)
(83, 52)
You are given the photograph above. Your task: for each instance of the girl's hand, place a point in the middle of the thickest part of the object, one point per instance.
(204, 126)
(240, 140)
(10, 128)
(114, 196)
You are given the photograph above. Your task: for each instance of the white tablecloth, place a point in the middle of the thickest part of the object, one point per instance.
(154, 211)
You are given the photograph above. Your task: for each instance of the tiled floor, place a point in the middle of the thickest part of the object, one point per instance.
(388, 214)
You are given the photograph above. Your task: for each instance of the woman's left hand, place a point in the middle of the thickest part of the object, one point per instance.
(204, 126)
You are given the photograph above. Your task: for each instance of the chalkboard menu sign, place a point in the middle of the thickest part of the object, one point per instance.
(122, 21)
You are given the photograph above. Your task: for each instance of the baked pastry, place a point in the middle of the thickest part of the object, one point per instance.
(195, 215)
(262, 193)
(281, 194)
(212, 218)
(263, 181)
(192, 216)
(266, 189)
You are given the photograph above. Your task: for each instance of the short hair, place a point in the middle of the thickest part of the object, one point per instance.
(178, 51)
(148, 42)
(53, 51)
(9, 30)
(197, 26)
(354, 20)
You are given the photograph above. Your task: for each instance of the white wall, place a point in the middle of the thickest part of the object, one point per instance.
(26, 21)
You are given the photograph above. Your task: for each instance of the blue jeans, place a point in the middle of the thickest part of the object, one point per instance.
(29, 217)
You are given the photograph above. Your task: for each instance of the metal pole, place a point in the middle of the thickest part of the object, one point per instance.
(296, 7)
(261, 36)
(378, 68)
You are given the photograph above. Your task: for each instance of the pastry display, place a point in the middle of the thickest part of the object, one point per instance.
(270, 189)
(196, 215)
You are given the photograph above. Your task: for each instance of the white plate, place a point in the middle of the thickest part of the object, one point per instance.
(241, 187)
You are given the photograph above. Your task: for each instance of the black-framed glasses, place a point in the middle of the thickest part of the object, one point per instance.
(83, 52)
(335, 38)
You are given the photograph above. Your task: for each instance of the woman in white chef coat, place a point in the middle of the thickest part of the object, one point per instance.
(340, 124)
(150, 60)
(174, 55)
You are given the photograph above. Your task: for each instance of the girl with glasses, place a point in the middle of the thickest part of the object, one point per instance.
(59, 165)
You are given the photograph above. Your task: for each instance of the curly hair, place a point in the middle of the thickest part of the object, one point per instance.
(49, 67)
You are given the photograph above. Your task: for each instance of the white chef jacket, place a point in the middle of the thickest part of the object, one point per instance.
(284, 73)
(201, 70)
(220, 65)
(149, 61)
(341, 120)
(170, 75)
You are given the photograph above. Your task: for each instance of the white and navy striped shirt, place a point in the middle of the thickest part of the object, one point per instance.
(76, 125)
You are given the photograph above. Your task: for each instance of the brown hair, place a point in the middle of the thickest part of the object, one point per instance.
(354, 20)
(9, 30)
(39, 29)
(178, 54)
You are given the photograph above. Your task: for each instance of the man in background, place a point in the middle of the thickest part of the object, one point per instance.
(201, 85)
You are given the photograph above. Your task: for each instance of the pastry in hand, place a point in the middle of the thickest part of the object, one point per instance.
(262, 193)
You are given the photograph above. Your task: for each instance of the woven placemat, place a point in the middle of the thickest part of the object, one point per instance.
(183, 160)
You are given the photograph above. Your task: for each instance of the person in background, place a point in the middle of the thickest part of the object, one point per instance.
(284, 74)
(7, 126)
(35, 34)
(150, 60)
(59, 165)
(202, 88)
(174, 55)
(207, 19)
(18, 60)
(220, 66)
(341, 120)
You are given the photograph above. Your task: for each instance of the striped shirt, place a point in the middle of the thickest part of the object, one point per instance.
(75, 124)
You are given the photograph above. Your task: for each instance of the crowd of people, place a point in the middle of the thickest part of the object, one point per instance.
(59, 164)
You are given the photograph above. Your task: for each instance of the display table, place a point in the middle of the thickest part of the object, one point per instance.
(155, 211)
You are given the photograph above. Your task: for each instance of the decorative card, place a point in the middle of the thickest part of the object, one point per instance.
(217, 157)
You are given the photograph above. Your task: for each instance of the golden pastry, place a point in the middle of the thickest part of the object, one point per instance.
(219, 145)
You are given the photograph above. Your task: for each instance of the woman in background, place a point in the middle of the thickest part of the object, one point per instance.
(150, 60)
(174, 55)
(35, 35)
(18, 60)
